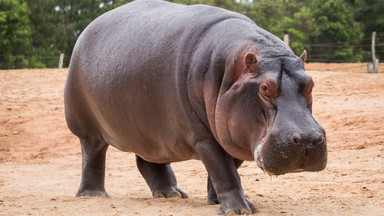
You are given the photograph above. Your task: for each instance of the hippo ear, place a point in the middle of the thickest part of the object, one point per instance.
(250, 61)
(303, 56)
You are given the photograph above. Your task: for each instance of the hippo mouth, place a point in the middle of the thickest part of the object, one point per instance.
(292, 159)
(259, 158)
(260, 161)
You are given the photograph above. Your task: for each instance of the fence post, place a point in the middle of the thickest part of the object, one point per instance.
(61, 60)
(286, 39)
(375, 61)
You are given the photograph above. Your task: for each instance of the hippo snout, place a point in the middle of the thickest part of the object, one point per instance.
(294, 152)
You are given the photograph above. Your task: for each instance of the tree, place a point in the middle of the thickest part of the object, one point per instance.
(370, 14)
(325, 28)
(74, 16)
(15, 48)
(336, 31)
(43, 23)
(34, 32)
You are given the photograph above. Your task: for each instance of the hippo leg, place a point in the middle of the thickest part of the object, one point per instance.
(93, 168)
(160, 179)
(212, 197)
(225, 179)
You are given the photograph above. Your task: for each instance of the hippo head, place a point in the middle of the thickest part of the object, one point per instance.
(264, 112)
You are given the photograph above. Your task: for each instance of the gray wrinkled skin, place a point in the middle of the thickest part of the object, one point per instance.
(172, 83)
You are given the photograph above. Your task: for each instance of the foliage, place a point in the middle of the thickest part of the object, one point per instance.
(369, 13)
(327, 23)
(15, 51)
(72, 18)
(34, 32)
(43, 19)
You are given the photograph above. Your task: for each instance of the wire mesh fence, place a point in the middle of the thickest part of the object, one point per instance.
(341, 67)
(333, 60)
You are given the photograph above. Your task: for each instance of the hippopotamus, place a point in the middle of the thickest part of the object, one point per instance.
(171, 83)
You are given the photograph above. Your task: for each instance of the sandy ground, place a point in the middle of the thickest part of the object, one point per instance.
(40, 159)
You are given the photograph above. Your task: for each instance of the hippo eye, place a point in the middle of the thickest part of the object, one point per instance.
(264, 91)
(264, 87)
(268, 89)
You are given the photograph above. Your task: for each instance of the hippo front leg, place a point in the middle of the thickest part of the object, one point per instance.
(225, 179)
(212, 196)
(160, 179)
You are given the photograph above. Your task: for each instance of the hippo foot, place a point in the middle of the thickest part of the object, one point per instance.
(92, 193)
(212, 200)
(212, 196)
(249, 209)
(169, 193)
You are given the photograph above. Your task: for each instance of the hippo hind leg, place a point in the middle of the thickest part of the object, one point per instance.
(93, 168)
(160, 179)
(212, 196)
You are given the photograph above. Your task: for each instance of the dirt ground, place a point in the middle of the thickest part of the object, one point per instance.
(40, 159)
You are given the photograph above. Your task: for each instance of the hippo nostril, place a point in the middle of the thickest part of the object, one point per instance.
(320, 140)
(296, 140)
